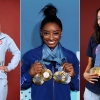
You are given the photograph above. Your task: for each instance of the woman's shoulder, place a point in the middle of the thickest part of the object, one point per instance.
(35, 51)
(91, 38)
(4, 35)
(70, 55)
(92, 41)
(68, 52)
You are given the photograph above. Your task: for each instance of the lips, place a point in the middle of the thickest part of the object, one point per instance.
(51, 42)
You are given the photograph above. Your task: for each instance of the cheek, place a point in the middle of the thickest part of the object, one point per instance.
(48, 37)
(99, 22)
(45, 37)
(57, 37)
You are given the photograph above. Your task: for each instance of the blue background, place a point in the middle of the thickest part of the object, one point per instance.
(68, 12)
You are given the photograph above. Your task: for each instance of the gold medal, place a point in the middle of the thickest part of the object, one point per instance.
(59, 77)
(38, 79)
(95, 70)
(62, 77)
(45, 75)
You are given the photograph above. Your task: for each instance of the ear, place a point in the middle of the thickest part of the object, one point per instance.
(41, 33)
(61, 33)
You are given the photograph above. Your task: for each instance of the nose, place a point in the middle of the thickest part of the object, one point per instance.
(51, 36)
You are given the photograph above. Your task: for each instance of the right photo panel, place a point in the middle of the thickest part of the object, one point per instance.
(90, 50)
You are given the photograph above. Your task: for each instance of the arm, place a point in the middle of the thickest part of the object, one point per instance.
(87, 70)
(74, 84)
(16, 54)
(11, 46)
(73, 69)
(90, 77)
(69, 68)
(28, 71)
(26, 78)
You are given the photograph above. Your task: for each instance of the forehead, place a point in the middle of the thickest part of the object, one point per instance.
(51, 25)
(99, 13)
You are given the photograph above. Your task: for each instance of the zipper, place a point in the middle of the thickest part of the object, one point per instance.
(53, 82)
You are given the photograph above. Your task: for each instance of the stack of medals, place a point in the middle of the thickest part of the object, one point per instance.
(96, 68)
(40, 78)
(61, 77)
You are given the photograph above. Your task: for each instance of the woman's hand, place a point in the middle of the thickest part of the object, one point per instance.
(4, 68)
(92, 78)
(36, 68)
(67, 67)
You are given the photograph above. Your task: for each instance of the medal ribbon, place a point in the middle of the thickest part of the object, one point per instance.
(53, 55)
(97, 60)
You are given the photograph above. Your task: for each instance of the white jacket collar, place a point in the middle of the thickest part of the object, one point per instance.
(2, 35)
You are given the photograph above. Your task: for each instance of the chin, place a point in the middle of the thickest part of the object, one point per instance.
(51, 47)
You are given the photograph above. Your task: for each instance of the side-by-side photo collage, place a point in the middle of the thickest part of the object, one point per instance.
(49, 50)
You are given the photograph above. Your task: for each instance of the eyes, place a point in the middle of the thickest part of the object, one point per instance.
(46, 33)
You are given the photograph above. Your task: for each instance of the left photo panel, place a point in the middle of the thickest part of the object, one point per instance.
(9, 50)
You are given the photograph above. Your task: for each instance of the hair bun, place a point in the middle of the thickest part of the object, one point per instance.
(49, 10)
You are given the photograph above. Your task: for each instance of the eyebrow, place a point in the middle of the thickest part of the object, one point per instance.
(54, 31)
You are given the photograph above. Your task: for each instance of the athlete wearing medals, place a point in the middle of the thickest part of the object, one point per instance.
(39, 65)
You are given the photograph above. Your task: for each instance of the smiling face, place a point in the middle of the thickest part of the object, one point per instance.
(51, 34)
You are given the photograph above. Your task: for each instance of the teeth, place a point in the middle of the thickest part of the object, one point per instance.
(51, 42)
